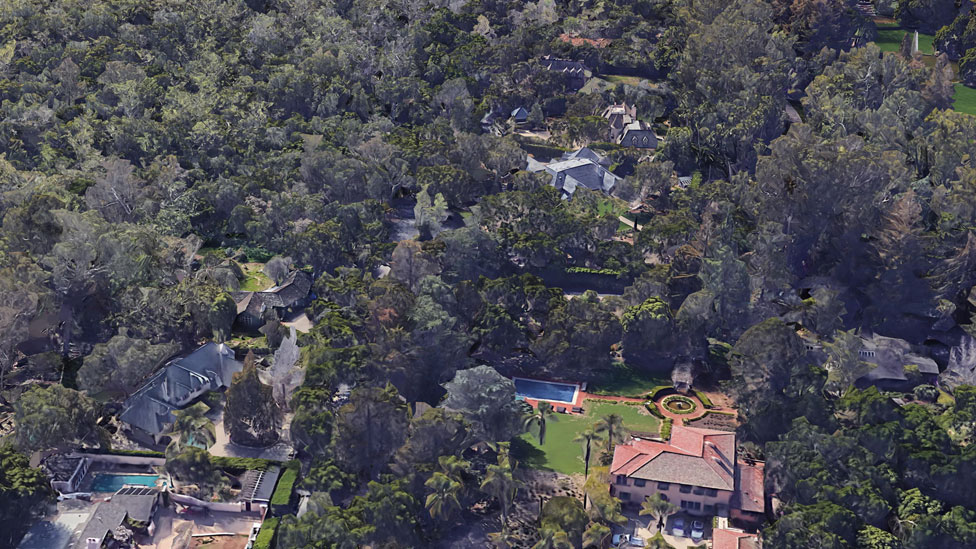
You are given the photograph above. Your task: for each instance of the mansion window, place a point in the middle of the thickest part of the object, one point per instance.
(639, 482)
(691, 505)
(685, 489)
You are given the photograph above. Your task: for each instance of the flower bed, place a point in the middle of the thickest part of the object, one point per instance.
(677, 404)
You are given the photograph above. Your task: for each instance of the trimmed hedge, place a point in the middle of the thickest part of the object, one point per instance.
(113, 452)
(266, 536)
(243, 464)
(652, 408)
(657, 390)
(679, 398)
(706, 402)
(666, 428)
(286, 485)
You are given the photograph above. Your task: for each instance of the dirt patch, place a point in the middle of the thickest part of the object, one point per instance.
(219, 542)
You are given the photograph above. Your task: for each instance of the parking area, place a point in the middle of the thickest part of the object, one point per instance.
(677, 530)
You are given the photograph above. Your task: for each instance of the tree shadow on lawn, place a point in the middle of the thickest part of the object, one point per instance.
(528, 455)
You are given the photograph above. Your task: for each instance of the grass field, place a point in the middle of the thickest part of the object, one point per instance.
(563, 455)
(626, 382)
(254, 280)
(965, 99)
(890, 40)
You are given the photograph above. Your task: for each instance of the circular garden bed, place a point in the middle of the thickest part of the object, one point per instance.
(677, 404)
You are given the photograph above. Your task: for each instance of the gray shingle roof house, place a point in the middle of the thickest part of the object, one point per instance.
(138, 503)
(569, 175)
(208, 368)
(619, 115)
(291, 293)
(520, 115)
(582, 167)
(891, 357)
(639, 135)
(588, 154)
(107, 517)
(576, 71)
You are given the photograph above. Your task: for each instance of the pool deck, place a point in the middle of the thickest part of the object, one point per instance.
(581, 395)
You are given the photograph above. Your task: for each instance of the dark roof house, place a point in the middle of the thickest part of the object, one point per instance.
(137, 503)
(619, 116)
(520, 115)
(290, 294)
(639, 135)
(893, 361)
(587, 154)
(568, 175)
(208, 368)
(576, 71)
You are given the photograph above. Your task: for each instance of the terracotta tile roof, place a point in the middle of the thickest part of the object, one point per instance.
(693, 456)
(731, 539)
(749, 496)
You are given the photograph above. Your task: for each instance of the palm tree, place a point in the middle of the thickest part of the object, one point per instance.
(553, 539)
(500, 483)
(453, 466)
(539, 418)
(658, 507)
(587, 437)
(192, 428)
(443, 500)
(613, 426)
(595, 534)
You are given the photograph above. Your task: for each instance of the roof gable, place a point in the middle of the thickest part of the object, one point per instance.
(693, 456)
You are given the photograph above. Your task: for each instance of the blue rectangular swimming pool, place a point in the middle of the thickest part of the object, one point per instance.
(551, 391)
(111, 482)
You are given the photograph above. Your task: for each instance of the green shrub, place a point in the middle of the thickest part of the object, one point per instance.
(257, 254)
(282, 493)
(587, 270)
(657, 390)
(706, 402)
(114, 452)
(652, 408)
(242, 464)
(267, 534)
(666, 428)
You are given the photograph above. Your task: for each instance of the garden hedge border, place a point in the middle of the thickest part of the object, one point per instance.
(682, 398)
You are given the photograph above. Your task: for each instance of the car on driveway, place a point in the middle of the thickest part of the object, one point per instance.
(620, 540)
(678, 527)
(697, 530)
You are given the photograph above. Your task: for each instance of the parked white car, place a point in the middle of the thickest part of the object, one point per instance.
(697, 530)
(620, 540)
(678, 527)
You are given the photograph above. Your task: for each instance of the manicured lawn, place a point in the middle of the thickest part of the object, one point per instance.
(965, 99)
(560, 453)
(254, 280)
(622, 79)
(890, 40)
(627, 382)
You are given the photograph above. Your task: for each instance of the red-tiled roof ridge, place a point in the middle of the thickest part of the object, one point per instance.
(715, 449)
(750, 492)
(730, 539)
